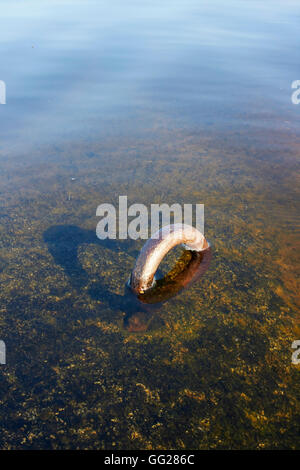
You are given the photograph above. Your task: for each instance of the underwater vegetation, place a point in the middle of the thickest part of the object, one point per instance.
(209, 368)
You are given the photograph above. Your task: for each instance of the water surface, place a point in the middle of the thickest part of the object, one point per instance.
(186, 102)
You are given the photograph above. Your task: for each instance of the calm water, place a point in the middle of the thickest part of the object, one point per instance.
(186, 102)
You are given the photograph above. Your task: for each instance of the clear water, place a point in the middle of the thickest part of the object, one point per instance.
(185, 102)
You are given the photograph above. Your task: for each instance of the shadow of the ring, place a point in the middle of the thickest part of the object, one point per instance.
(63, 242)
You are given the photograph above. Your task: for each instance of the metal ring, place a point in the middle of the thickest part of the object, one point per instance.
(156, 248)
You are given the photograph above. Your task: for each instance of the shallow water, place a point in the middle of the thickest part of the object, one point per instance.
(175, 102)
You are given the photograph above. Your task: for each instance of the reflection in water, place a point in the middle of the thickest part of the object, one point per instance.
(106, 64)
(190, 267)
